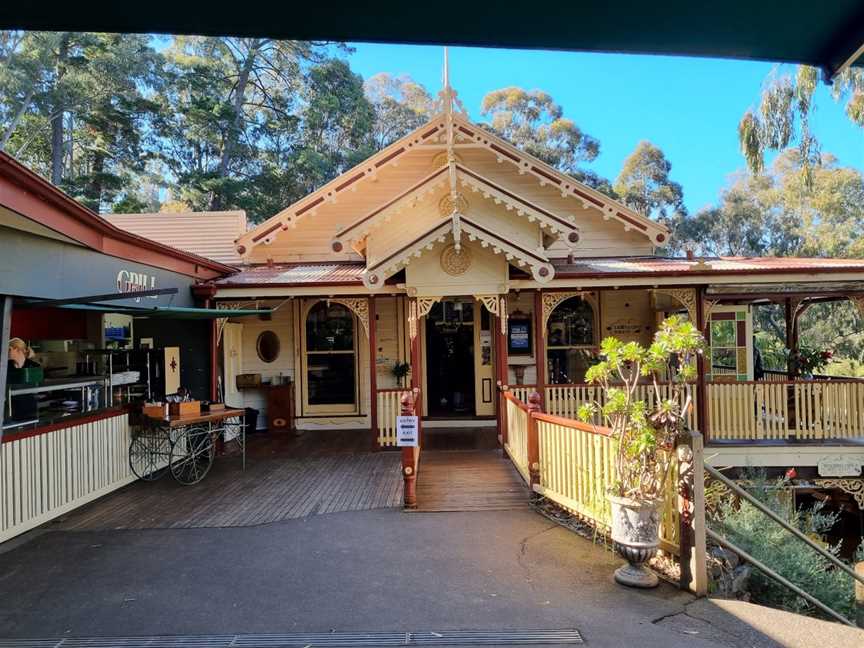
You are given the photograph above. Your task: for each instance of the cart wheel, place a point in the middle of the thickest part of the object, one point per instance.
(192, 455)
(149, 455)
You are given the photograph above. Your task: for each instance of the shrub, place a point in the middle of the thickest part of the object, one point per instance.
(765, 540)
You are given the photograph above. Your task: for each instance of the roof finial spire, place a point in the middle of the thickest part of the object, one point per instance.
(446, 68)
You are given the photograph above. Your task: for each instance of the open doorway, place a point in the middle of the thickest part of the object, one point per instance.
(450, 358)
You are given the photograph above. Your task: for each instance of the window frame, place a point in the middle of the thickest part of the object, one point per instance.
(594, 347)
(329, 408)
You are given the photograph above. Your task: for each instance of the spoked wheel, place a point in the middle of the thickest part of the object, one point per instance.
(192, 455)
(149, 454)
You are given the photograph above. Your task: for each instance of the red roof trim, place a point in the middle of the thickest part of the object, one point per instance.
(30, 195)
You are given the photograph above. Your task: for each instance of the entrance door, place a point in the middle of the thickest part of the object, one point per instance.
(450, 358)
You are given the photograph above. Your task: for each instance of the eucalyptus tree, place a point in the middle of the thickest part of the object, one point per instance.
(644, 184)
(400, 105)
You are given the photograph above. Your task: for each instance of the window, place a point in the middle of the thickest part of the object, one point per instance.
(570, 341)
(267, 346)
(730, 334)
(331, 377)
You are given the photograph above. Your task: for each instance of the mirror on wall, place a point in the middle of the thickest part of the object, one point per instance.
(268, 346)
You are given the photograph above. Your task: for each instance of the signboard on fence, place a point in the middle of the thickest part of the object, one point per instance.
(406, 431)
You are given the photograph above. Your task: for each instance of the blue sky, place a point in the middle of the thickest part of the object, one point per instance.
(688, 107)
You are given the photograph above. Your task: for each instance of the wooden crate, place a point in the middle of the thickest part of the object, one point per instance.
(190, 408)
(154, 411)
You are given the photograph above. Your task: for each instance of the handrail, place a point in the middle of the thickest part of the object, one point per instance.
(573, 423)
(767, 511)
(777, 577)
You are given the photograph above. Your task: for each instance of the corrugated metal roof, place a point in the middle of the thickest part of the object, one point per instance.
(296, 273)
(701, 265)
(207, 234)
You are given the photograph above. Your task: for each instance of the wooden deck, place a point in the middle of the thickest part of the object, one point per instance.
(274, 487)
(481, 480)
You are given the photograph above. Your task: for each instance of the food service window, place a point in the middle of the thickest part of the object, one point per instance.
(331, 359)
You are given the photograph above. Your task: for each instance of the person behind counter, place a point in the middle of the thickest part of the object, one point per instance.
(21, 357)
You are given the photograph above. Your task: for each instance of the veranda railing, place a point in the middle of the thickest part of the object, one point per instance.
(777, 410)
(572, 464)
(389, 404)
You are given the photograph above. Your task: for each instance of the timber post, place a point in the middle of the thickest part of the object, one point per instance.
(535, 401)
(373, 373)
(859, 596)
(691, 510)
(701, 368)
(539, 346)
(410, 456)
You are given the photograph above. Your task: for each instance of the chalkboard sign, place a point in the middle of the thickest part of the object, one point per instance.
(519, 338)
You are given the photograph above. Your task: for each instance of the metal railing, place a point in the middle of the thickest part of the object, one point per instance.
(790, 529)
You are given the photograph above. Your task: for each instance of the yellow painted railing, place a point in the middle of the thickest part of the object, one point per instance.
(522, 392)
(778, 410)
(565, 400)
(389, 406)
(516, 444)
(575, 467)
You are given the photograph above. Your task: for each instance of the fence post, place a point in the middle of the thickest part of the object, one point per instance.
(502, 417)
(859, 596)
(691, 511)
(533, 441)
(410, 456)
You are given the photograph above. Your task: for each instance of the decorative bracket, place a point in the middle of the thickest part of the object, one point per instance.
(359, 306)
(551, 300)
(854, 487)
(417, 308)
(497, 305)
(685, 296)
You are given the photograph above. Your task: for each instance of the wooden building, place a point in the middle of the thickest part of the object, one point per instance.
(481, 267)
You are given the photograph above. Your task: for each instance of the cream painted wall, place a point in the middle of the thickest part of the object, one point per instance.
(486, 274)
(627, 315)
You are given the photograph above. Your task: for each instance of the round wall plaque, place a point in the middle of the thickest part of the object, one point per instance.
(455, 262)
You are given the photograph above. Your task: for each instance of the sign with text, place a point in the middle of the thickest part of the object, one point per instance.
(839, 466)
(406, 431)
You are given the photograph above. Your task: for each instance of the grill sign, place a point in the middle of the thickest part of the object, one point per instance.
(132, 282)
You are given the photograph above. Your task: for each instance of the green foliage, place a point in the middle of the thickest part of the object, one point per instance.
(400, 104)
(769, 543)
(645, 436)
(532, 121)
(645, 186)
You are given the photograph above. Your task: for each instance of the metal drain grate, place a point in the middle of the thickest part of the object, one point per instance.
(315, 640)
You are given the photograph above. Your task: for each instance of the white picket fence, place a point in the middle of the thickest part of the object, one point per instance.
(44, 476)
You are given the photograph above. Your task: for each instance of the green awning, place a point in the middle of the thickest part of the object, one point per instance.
(170, 312)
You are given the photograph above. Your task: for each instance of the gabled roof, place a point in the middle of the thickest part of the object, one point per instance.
(210, 234)
(525, 163)
(538, 263)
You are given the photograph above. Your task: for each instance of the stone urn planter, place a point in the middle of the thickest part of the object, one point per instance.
(635, 536)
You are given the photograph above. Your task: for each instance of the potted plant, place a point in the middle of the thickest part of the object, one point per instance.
(806, 361)
(644, 435)
(400, 370)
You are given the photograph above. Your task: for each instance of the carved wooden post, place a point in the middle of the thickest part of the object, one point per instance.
(539, 345)
(502, 371)
(410, 455)
(373, 373)
(534, 406)
(691, 511)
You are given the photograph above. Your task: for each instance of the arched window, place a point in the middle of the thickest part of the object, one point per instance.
(570, 341)
(331, 367)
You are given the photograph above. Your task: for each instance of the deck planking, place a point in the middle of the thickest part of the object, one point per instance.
(469, 480)
(272, 488)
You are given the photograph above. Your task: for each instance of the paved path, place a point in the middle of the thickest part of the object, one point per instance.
(381, 570)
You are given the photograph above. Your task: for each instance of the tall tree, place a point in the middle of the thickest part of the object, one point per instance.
(532, 121)
(645, 186)
(74, 106)
(400, 105)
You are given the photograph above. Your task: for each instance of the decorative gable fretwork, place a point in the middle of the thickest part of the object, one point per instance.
(459, 132)
(537, 262)
(359, 306)
(497, 305)
(418, 307)
(685, 296)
